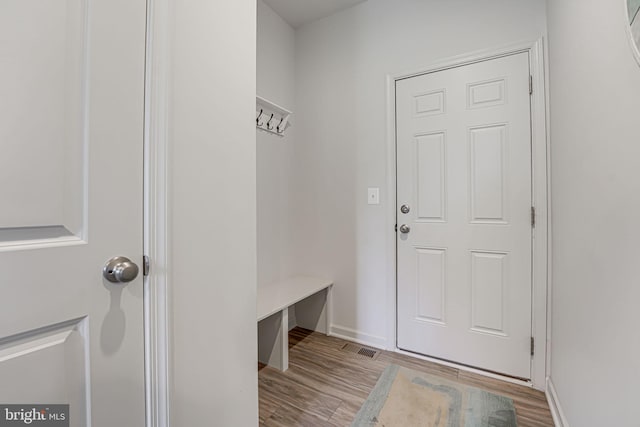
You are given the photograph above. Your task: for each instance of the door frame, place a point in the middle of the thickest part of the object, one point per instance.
(157, 295)
(541, 271)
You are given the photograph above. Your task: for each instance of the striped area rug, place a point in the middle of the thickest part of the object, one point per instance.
(403, 397)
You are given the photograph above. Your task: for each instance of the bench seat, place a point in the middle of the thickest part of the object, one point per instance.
(311, 298)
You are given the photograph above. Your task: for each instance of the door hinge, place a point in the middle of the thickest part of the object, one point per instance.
(532, 346)
(396, 228)
(530, 85)
(533, 217)
(146, 266)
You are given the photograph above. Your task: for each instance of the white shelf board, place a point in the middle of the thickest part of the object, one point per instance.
(272, 106)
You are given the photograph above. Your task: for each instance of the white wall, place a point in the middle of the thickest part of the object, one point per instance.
(275, 82)
(213, 214)
(341, 66)
(595, 140)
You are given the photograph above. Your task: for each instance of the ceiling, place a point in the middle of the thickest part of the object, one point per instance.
(299, 12)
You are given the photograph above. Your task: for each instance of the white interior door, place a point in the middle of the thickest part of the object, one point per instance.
(464, 173)
(71, 162)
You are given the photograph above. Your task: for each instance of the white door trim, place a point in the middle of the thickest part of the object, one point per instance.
(156, 196)
(540, 180)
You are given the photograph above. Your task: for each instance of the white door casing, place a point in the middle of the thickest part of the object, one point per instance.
(71, 132)
(464, 168)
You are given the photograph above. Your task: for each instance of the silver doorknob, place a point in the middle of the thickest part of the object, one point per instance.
(404, 228)
(405, 209)
(120, 270)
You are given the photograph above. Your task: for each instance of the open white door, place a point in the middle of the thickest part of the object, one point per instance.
(71, 197)
(464, 215)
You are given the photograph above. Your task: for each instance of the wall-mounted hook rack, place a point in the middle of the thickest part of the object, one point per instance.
(276, 114)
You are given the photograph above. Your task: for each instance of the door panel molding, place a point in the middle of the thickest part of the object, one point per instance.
(54, 360)
(540, 182)
(156, 226)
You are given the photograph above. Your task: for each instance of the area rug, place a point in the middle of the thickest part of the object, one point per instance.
(407, 398)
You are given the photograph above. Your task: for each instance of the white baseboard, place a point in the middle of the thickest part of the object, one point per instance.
(554, 405)
(357, 336)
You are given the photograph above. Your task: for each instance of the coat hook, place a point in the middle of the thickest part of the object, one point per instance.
(269, 126)
(258, 119)
(278, 127)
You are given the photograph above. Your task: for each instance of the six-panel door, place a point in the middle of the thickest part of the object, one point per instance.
(464, 169)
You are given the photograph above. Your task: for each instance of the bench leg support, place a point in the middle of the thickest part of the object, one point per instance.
(313, 313)
(273, 340)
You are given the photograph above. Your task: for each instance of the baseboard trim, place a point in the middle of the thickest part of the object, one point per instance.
(358, 337)
(554, 405)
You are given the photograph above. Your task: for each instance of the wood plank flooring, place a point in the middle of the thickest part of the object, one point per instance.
(325, 385)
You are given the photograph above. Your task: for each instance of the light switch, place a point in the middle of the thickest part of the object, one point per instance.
(373, 196)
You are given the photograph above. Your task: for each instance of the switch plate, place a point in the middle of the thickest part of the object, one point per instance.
(373, 196)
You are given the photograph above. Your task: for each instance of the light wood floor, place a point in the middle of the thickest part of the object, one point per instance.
(325, 385)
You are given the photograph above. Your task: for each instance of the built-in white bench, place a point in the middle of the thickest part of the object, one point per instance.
(311, 298)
